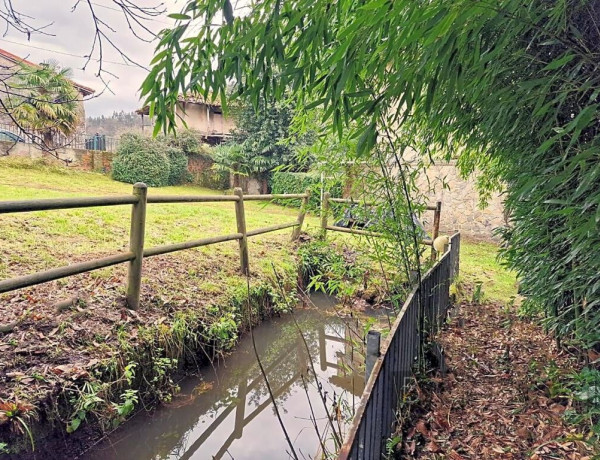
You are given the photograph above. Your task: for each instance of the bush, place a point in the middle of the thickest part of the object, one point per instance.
(141, 159)
(213, 178)
(156, 162)
(178, 162)
(186, 141)
(291, 182)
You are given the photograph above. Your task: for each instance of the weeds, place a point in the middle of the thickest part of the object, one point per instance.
(325, 269)
(19, 416)
(85, 401)
(584, 387)
(477, 293)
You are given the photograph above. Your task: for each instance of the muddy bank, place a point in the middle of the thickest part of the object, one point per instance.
(227, 411)
(67, 376)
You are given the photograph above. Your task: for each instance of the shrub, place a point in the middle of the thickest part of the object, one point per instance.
(141, 159)
(178, 162)
(186, 141)
(292, 182)
(213, 178)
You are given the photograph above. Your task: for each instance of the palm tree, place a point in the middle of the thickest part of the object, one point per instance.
(230, 158)
(47, 103)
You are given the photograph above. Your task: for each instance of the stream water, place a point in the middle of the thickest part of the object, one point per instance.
(227, 412)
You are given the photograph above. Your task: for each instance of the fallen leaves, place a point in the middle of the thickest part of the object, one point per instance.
(70, 371)
(490, 405)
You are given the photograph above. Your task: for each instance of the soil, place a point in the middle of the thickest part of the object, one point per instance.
(499, 397)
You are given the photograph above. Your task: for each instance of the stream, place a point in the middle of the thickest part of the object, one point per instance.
(226, 411)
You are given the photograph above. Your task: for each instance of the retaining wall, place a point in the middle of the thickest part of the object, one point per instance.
(460, 203)
(88, 160)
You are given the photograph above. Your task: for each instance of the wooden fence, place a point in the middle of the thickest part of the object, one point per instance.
(374, 421)
(325, 211)
(137, 252)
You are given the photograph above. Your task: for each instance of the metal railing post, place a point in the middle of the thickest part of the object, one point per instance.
(136, 245)
(373, 343)
(240, 217)
(436, 227)
(302, 213)
(324, 213)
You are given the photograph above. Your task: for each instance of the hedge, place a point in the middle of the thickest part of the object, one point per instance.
(292, 182)
(156, 162)
(141, 159)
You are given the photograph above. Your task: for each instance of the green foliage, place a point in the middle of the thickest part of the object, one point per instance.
(156, 162)
(187, 141)
(224, 331)
(44, 101)
(262, 142)
(140, 159)
(264, 136)
(324, 268)
(230, 158)
(178, 164)
(509, 90)
(293, 182)
(584, 387)
(84, 402)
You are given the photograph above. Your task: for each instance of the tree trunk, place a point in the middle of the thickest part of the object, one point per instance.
(48, 139)
(264, 185)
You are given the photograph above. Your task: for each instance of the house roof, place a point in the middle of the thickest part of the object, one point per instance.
(85, 90)
(187, 98)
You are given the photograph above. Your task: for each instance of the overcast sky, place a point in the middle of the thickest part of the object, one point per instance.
(72, 39)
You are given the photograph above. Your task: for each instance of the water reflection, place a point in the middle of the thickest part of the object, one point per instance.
(229, 414)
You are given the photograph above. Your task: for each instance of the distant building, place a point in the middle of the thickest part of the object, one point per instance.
(9, 64)
(206, 118)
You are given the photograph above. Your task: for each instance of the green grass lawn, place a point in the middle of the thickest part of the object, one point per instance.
(479, 263)
(41, 240)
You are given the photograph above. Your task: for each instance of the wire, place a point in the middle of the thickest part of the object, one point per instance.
(64, 53)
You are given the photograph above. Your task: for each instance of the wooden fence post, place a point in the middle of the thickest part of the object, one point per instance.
(240, 216)
(136, 245)
(436, 227)
(324, 212)
(303, 207)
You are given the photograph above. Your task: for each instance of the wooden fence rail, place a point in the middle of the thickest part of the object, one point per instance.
(325, 211)
(375, 418)
(137, 252)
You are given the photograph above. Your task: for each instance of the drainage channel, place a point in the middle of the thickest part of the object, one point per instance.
(227, 412)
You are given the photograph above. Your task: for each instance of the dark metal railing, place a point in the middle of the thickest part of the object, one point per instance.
(374, 421)
(84, 141)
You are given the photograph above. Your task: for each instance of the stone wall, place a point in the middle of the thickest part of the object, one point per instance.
(88, 160)
(250, 185)
(460, 203)
(197, 164)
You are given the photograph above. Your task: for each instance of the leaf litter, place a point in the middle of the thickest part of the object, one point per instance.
(496, 399)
